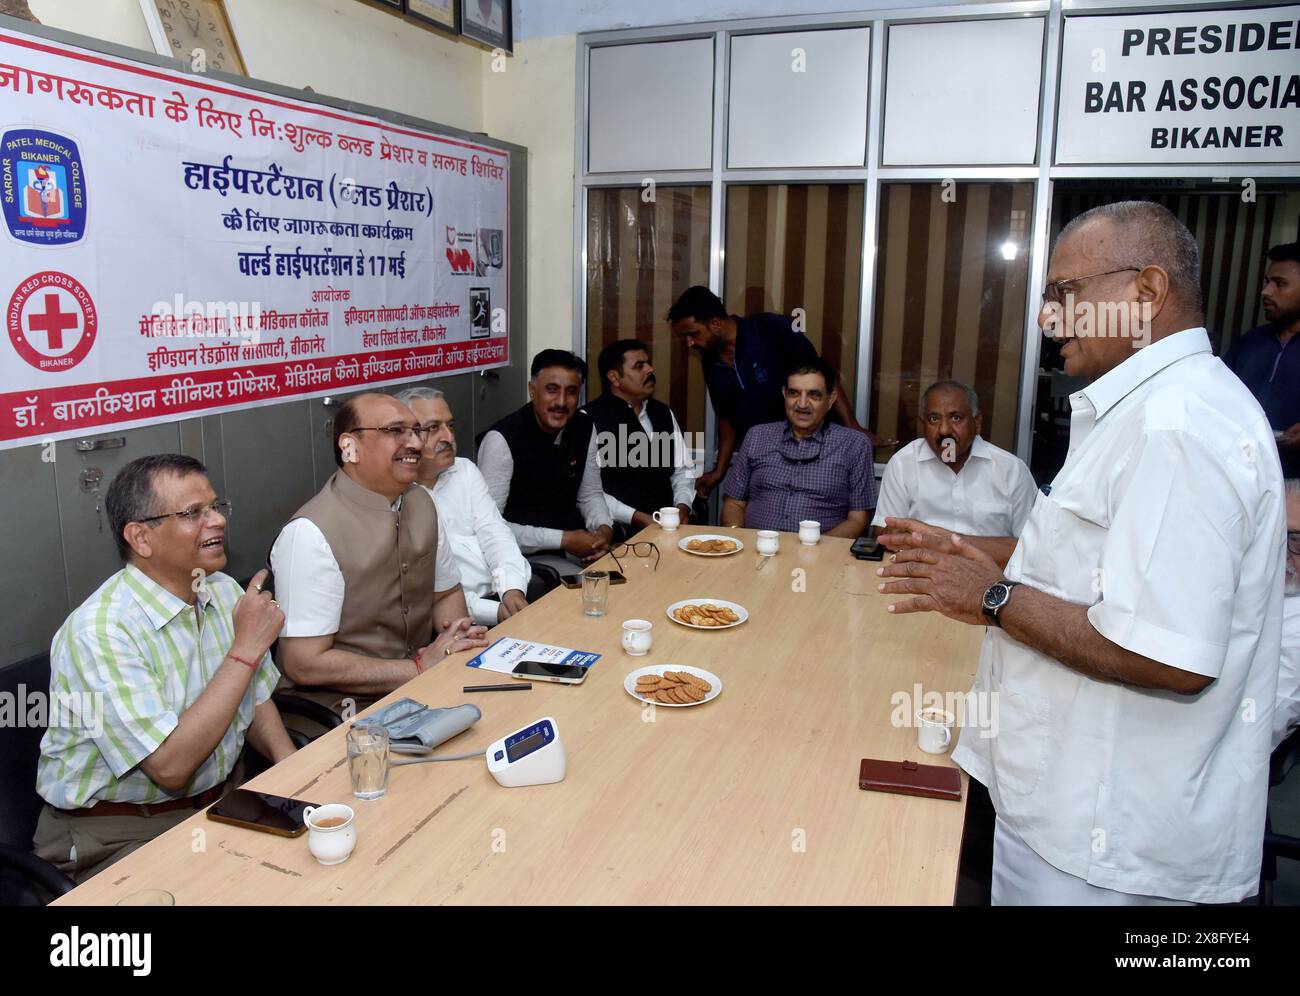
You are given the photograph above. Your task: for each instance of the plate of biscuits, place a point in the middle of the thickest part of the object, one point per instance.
(710, 545)
(673, 685)
(707, 613)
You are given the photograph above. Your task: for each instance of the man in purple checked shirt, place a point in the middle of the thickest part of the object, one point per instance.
(804, 467)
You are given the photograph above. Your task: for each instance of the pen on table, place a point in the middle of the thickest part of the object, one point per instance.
(514, 686)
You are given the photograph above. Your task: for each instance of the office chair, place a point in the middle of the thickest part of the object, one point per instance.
(25, 879)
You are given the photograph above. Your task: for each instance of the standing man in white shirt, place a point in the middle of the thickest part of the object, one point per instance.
(370, 598)
(644, 465)
(1133, 636)
(540, 466)
(493, 573)
(952, 477)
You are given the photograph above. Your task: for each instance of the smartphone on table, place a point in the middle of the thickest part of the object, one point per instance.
(867, 548)
(575, 580)
(260, 811)
(565, 674)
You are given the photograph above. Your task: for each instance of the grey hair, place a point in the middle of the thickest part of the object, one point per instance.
(418, 394)
(1292, 487)
(131, 496)
(1155, 237)
(972, 398)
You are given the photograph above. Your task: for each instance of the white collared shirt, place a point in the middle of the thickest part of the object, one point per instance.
(481, 542)
(683, 479)
(309, 584)
(498, 466)
(1168, 520)
(990, 496)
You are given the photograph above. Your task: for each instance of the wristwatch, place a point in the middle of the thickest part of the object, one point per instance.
(995, 597)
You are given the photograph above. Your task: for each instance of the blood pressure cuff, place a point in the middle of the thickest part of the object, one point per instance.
(414, 727)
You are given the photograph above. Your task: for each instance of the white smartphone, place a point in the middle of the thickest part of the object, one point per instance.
(565, 674)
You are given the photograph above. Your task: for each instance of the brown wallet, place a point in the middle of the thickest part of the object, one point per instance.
(933, 781)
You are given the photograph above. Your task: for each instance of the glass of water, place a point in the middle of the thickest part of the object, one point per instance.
(595, 592)
(368, 761)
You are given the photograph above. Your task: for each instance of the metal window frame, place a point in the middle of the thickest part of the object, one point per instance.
(872, 173)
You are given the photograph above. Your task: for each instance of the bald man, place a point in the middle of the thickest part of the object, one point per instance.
(1134, 631)
(370, 597)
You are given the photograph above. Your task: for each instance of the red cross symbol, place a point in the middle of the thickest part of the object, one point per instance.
(54, 322)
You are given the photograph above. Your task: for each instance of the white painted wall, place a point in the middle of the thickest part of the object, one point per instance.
(532, 103)
(346, 49)
(117, 21)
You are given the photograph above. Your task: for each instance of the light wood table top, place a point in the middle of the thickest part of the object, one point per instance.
(750, 798)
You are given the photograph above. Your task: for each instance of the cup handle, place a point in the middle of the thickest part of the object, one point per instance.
(657, 517)
(947, 735)
(306, 814)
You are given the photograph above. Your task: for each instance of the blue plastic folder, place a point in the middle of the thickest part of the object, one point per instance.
(508, 651)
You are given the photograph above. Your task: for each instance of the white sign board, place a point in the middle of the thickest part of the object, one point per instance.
(1216, 86)
(176, 246)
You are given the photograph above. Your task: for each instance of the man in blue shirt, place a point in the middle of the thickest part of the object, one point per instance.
(1267, 358)
(745, 365)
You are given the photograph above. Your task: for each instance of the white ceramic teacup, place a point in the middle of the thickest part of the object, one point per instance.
(810, 532)
(769, 542)
(331, 845)
(637, 637)
(668, 518)
(934, 730)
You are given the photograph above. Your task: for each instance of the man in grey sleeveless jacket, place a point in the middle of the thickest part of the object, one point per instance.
(370, 597)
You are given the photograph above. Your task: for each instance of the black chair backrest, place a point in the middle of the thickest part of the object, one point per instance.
(22, 687)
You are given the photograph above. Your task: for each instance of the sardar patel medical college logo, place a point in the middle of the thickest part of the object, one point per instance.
(52, 321)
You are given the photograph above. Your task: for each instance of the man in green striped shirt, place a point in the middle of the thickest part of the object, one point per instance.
(168, 664)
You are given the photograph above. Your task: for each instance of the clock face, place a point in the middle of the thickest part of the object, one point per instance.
(201, 24)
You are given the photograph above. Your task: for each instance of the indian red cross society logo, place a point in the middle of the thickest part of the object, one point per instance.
(52, 321)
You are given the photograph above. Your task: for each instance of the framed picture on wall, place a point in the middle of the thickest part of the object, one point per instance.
(397, 6)
(442, 14)
(487, 22)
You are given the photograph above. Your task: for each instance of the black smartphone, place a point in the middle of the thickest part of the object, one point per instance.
(565, 674)
(575, 580)
(867, 548)
(259, 811)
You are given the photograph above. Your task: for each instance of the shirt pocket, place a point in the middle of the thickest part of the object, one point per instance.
(1060, 549)
(993, 518)
(1019, 744)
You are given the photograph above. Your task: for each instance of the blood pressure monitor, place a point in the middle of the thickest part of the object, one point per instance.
(533, 755)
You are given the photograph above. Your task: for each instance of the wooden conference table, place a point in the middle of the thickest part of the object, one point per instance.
(749, 798)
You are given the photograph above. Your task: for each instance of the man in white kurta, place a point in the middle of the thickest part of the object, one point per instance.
(1134, 633)
(493, 572)
(951, 476)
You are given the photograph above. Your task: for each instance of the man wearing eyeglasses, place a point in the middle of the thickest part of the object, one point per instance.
(493, 573)
(1134, 629)
(371, 598)
(158, 678)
